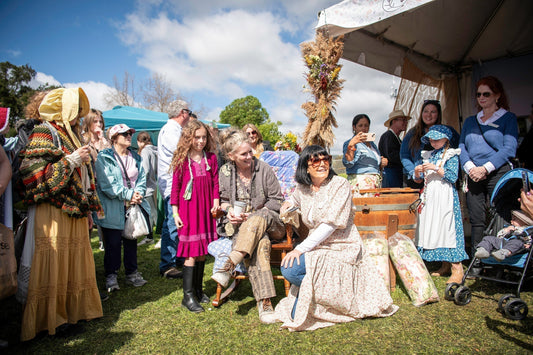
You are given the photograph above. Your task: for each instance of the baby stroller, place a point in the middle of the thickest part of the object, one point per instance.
(513, 270)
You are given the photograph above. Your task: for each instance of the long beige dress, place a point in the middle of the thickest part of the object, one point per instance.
(341, 284)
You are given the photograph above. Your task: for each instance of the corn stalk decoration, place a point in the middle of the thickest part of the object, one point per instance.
(321, 57)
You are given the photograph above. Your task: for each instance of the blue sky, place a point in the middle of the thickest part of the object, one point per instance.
(211, 51)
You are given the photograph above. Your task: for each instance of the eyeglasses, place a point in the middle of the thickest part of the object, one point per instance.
(187, 110)
(251, 133)
(485, 94)
(315, 161)
(126, 134)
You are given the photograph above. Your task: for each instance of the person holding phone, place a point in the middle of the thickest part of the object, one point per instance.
(361, 157)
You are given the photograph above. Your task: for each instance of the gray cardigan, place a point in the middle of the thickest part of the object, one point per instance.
(266, 186)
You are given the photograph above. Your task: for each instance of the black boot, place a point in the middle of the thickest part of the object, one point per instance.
(199, 281)
(189, 299)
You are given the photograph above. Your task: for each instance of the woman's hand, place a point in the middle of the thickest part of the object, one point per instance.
(90, 220)
(419, 169)
(236, 219)
(136, 198)
(284, 207)
(215, 210)
(526, 202)
(477, 173)
(288, 260)
(84, 153)
(358, 138)
(384, 162)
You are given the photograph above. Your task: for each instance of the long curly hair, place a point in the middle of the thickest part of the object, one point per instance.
(420, 128)
(31, 111)
(186, 140)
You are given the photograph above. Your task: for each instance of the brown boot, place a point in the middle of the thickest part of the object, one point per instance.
(444, 270)
(457, 273)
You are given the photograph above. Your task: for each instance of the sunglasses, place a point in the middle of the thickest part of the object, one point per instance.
(251, 133)
(485, 94)
(315, 161)
(126, 134)
(187, 110)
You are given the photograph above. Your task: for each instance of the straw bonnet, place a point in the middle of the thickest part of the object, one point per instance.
(395, 114)
(62, 106)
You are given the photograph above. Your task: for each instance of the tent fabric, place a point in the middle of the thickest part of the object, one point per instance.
(141, 119)
(442, 38)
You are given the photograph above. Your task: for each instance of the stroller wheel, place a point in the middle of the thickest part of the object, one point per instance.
(503, 302)
(516, 309)
(462, 296)
(449, 292)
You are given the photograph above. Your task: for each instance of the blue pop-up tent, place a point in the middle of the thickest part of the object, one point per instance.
(142, 120)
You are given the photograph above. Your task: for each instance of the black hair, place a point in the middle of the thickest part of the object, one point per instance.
(313, 151)
(358, 118)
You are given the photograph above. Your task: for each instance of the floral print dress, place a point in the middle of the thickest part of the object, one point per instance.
(341, 284)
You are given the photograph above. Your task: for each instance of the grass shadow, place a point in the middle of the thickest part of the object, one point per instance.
(500, 328)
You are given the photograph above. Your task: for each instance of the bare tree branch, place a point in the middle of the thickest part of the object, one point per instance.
(123, 93)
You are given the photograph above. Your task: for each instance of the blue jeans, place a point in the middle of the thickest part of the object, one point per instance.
(392, 177)
(169, 240)
(295, 275)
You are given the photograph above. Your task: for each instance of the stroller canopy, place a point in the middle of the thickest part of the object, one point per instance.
(507, 177)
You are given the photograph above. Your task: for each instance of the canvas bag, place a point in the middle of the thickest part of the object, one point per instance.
(8, 263)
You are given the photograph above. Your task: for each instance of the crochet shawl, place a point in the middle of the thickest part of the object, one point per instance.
(47, 176)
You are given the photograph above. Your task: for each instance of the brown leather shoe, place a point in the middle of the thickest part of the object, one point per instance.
(444, 270)
(172, 273)
(457, 273)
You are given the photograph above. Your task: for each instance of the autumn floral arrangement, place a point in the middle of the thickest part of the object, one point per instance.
(288, 141)
(321, 58)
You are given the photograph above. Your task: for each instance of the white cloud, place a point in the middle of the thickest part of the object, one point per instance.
(14, 52)
(96, 93)
(218, 50)
(41, 79)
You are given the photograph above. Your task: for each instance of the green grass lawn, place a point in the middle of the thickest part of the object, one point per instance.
(150, 320)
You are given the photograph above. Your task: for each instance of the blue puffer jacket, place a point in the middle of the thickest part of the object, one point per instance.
(111, 189)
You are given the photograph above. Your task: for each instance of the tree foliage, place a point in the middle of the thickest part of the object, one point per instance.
(14, 87)
(249, 110)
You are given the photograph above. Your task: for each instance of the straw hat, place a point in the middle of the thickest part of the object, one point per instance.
(395, 114)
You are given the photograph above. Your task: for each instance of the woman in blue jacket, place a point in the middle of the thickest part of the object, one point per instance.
(121, 183)
(488, 141)
(361, 157)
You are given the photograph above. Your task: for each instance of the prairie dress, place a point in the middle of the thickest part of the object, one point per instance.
(62, 285)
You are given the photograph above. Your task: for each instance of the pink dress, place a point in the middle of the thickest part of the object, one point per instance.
(199, 227)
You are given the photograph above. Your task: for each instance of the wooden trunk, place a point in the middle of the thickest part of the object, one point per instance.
(387, 212)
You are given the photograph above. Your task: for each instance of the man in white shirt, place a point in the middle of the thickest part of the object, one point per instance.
(178, 116)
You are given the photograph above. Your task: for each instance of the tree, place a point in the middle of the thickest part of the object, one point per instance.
(124, 93)
(14, 87)
(249, 110)
(158, 94)
(244, 110)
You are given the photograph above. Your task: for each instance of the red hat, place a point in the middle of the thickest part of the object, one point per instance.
(4, 118)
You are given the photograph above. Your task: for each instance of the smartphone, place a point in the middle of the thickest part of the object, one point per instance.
(525, 181)
(370, 137)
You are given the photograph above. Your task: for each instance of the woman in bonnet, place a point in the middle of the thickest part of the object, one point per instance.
(60, 193)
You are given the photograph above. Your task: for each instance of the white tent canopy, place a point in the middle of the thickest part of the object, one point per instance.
(445, 39)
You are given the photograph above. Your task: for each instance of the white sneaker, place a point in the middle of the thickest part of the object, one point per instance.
(146, 241)
(101, 247)
(158, 244)
(266, 312)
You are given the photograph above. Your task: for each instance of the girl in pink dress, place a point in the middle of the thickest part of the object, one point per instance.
(194, 199)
